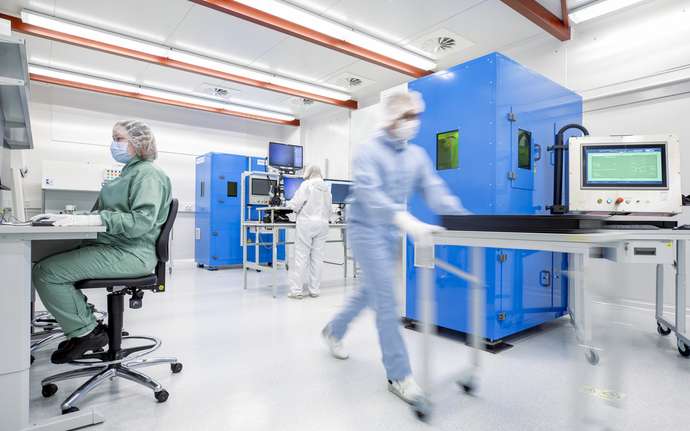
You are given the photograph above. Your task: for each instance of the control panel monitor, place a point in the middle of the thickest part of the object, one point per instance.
(285, 156)
(625, 175)
(290, 186)
(260, 190)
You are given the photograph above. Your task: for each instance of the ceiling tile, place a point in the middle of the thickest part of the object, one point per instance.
(216, 34)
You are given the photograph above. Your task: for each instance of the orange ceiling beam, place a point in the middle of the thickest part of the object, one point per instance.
(256, 16)
(98, 89)
(538, 14)
(19, 26)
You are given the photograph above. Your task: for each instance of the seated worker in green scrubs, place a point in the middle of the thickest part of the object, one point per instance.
(132, 208)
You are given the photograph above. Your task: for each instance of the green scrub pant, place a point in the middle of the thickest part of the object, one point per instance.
(54, 278)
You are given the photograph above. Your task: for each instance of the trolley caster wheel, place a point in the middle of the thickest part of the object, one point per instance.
(683, 349)
(422, 409)
(125, 334)
(49, 390)
(661, 330)
(592, 357)
(70, 410)
(32, 359)
(161, 396)
(176, 367)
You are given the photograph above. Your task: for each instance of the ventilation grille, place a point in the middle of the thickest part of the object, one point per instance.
(350, 82)
(217, 91)
(440, 43)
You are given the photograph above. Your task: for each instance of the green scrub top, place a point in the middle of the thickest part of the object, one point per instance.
(133, 207)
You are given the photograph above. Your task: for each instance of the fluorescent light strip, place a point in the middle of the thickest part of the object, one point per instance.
(599, 8)
(339, 31)
(153, 92)
(73, 29)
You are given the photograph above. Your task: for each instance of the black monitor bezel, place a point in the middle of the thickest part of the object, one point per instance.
(285, 145)
(642, 186)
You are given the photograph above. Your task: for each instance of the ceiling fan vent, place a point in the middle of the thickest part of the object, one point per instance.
(306, 101)
(349, 80)
(353, 81)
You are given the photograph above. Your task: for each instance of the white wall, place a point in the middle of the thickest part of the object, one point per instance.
(82, 132)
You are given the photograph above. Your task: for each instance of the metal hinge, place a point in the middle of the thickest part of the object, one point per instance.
(512, 117)
(502, 257)
(512, 176)
(501, 316)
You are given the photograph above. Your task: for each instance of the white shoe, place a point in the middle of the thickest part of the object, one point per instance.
(407, 389)
(313, 295)
(334, 346)
(295, 295)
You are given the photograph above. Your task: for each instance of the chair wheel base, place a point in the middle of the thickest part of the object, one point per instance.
(49, 390)
(161, 396)
(70, 410)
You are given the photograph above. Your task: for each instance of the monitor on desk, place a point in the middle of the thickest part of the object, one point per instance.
(290, 186)
(340, 191)
(285, 156)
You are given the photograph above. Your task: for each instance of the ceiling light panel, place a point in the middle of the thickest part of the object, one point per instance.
(337, 31)
(599, 8)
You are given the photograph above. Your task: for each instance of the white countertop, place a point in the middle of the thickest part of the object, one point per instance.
(28, 232)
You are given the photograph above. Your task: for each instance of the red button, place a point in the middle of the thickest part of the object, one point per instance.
(619, 201)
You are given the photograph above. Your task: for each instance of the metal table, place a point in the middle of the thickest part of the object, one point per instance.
(274, 229)
(615, 245)
(15, 309)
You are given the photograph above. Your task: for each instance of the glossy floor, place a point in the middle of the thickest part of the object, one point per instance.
(252, 362)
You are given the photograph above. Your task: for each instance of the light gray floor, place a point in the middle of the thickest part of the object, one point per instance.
(252, 362)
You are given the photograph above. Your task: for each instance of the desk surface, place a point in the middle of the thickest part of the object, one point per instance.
(560, 242)
(285, 225)
(13, 232)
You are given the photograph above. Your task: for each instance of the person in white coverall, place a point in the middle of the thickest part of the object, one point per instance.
(312, 203)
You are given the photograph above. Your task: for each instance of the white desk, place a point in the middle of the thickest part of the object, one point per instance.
(15, 318)
(581, 247)
(274, 229)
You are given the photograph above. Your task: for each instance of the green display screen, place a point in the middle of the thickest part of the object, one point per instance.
(524, 149)
(641, 165)
(447, 156)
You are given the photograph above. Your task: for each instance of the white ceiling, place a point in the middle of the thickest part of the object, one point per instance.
(489, 24)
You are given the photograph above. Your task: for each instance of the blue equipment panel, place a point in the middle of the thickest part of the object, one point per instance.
(506, 117)
(218, 208)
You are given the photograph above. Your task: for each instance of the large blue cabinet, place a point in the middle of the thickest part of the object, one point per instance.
(492, 101)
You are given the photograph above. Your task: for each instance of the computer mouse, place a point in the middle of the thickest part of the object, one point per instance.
(41, 218)
(682, 227)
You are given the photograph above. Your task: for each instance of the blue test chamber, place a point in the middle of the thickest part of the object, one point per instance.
(503, 117)
(218, 209)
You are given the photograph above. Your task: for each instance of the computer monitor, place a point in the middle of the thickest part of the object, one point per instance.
(290, 186)
(340, 190)
(624, 174)
(285, 156)
(622, 166)
(261, 186)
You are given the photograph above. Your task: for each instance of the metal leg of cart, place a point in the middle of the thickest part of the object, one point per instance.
(244, 257)
(274, 261)
(468, 378)
(664, 326)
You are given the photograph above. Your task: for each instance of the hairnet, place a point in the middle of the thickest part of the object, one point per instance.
(141, 137)
(312, 171)
(398, 104)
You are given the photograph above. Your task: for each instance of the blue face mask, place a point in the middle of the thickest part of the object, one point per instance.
(119, 152)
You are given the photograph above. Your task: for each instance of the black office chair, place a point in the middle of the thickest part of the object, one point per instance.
(120, 361)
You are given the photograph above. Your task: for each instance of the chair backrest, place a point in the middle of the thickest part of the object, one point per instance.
(163, 241)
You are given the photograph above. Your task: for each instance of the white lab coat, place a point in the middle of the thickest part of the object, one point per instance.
(312, 203)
